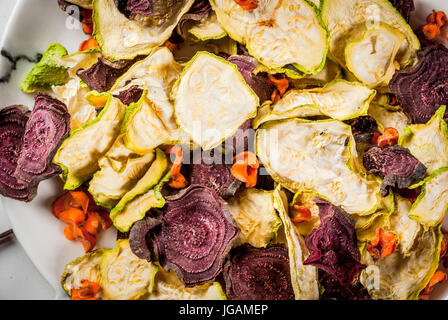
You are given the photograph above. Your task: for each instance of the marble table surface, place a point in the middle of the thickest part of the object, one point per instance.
(19, 278)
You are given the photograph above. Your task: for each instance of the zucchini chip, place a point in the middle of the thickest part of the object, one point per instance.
(82, 268)
(347, 20)
(431, 205)
(318, 156)
(277, 32)
(428, 142)
(212, 100)
(122, 38)
(124, 276)
(388, 119)
(399, 276)
(79, 154)
(256, 217)
(169, 287)
(338, 99)
(303, 277)
(120, 169)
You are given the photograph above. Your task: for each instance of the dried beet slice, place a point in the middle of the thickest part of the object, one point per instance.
(396, 166)
(13, 121)
(259, 84)
(138, 237)
(405, 7)
(101, 76)
(333, 289)
(363, 128)
(196, 234)
(242, 140)
(259, 273)
(422, 89)
(215, 176)
(333, 244)
(130, 95)
(47, 127)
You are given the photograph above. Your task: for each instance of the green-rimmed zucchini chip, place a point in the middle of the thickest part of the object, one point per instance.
(79, 154)
(431, 206)
(146, 194)
(120, 169)
(169, 287)
(400, 277)
(347, 20)
(124, 276)
(82, 268)
(372, 58)
(278, 32)
(256, 217)
(156, 74)
(208, 29)
(404, 227)
(123, 38)
(428, 142)
(338, 99)
(388, 119)
(212, 100)
(73, 93)
(303, 277)
(318, 156)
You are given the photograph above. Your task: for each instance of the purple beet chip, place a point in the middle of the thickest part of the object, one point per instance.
(333, 244)
(396, 166)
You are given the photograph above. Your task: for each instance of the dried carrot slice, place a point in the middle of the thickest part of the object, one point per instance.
(438, 277)
(303, 214)
(73, 215)
(245, 168)
(248, 5)
(431, 31)
(88, 44)
(388, 138)
(383, 245)
(88, 291)
(177, 181)
(441, 19)
(281, 84)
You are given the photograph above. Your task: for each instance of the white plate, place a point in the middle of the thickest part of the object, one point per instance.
(33, 26)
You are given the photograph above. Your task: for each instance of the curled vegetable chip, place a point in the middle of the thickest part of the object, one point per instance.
(422, 89)
(333, 243)
(363, 128)
(259, 273)
(396, 166)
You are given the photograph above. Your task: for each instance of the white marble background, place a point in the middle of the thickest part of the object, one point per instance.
(19, 278)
